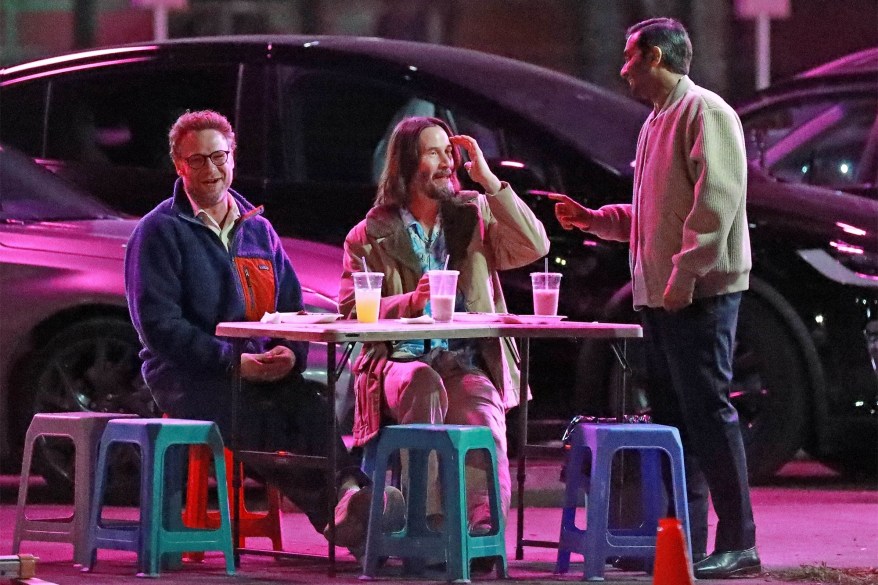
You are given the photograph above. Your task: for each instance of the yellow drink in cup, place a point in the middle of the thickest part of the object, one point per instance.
(368, 304)
(367, 294)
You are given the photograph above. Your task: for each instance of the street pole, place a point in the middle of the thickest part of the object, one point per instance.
(160, 22)
(762, 11)
(763, 50)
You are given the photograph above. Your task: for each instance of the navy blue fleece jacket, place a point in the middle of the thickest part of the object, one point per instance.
(181, 281)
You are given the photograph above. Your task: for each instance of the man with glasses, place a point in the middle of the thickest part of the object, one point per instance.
(204, 256)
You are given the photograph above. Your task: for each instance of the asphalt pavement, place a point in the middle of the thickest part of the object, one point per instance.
(809, 517)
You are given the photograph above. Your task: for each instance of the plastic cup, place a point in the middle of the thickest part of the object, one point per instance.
(443, 291)
(367, 294)
(545, 290)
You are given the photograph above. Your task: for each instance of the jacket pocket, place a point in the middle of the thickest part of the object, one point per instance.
(258, 283)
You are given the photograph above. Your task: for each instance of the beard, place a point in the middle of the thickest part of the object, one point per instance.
(435, 188)
(440, 193)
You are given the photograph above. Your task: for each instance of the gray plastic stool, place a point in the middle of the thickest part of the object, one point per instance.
(85, 430)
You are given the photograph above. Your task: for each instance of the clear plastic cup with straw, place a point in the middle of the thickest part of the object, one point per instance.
(367, 294)
(545, 291)
(443, 291)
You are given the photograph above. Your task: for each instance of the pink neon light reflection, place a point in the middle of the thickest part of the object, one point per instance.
(76, 68)
(511, 163)
(74, 56)
(540, 193)
(846, 248)
(853, 230)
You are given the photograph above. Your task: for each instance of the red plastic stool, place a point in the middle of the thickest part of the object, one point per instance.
(251, 524)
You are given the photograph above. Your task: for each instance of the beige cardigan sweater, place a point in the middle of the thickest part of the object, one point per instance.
(484, 234)
(688, 222)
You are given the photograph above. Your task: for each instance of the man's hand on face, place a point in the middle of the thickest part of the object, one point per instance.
(570, 214)
(421, 294)
(676, 298)
(270, 366)
(477, 167)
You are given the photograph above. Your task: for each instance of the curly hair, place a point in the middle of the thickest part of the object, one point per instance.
(196, 122)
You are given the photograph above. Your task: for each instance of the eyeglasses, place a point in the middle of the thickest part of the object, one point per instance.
(217, 157)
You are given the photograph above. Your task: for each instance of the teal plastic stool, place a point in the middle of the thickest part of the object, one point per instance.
(598, 541)
(160, 534)
(417, 544)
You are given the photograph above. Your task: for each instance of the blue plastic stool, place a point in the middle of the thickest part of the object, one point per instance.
(160, 533)
(417, 544)
(597, 541)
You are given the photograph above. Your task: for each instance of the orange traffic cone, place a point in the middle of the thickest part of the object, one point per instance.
(672, 564)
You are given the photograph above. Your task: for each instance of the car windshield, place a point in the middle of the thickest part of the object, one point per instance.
(819, 142)
(30, 193)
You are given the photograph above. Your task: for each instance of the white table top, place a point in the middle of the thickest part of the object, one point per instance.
(394, 330)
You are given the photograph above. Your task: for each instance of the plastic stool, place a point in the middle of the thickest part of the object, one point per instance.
(597, 541)
(250, 524)
(417, 544)
(160, 534)
(85, 430)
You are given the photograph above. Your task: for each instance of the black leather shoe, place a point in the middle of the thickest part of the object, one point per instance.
(725, 565)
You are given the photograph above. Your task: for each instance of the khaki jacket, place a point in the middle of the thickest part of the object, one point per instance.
(484, 234)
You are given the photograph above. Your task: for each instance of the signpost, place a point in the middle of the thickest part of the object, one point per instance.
(762, 11)
(160, 14)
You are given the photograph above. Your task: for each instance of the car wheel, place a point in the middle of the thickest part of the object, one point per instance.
(93, 366)
(769, 388)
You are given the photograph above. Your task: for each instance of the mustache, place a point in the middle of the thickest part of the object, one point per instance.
(442, 174)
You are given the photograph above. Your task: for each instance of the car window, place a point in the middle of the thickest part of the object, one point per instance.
(121, 117)
(22, 107)
(331, 125)
(513, 156)
(29, 192)
(490, 139)
(819, 142)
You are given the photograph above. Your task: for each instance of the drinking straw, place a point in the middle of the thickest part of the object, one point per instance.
(546, 269)
(445, 267)
(366, 270)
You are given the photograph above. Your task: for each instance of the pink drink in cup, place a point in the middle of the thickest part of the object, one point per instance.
(545, 291)
(443, 291)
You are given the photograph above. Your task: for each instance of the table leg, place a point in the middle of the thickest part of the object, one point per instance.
(620, 350)
(524, 346)
(331, 377)
(237, 350)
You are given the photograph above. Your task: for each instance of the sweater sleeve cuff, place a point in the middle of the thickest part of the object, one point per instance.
(503, 186)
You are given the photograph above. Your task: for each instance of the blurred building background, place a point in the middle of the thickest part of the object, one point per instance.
(583, 38)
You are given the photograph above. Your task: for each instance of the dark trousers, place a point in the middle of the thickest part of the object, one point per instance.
(689, 369)
(291, 416)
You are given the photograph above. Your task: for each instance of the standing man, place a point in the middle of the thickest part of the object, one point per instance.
(204, 256)
(690, 262)
(420, 217)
